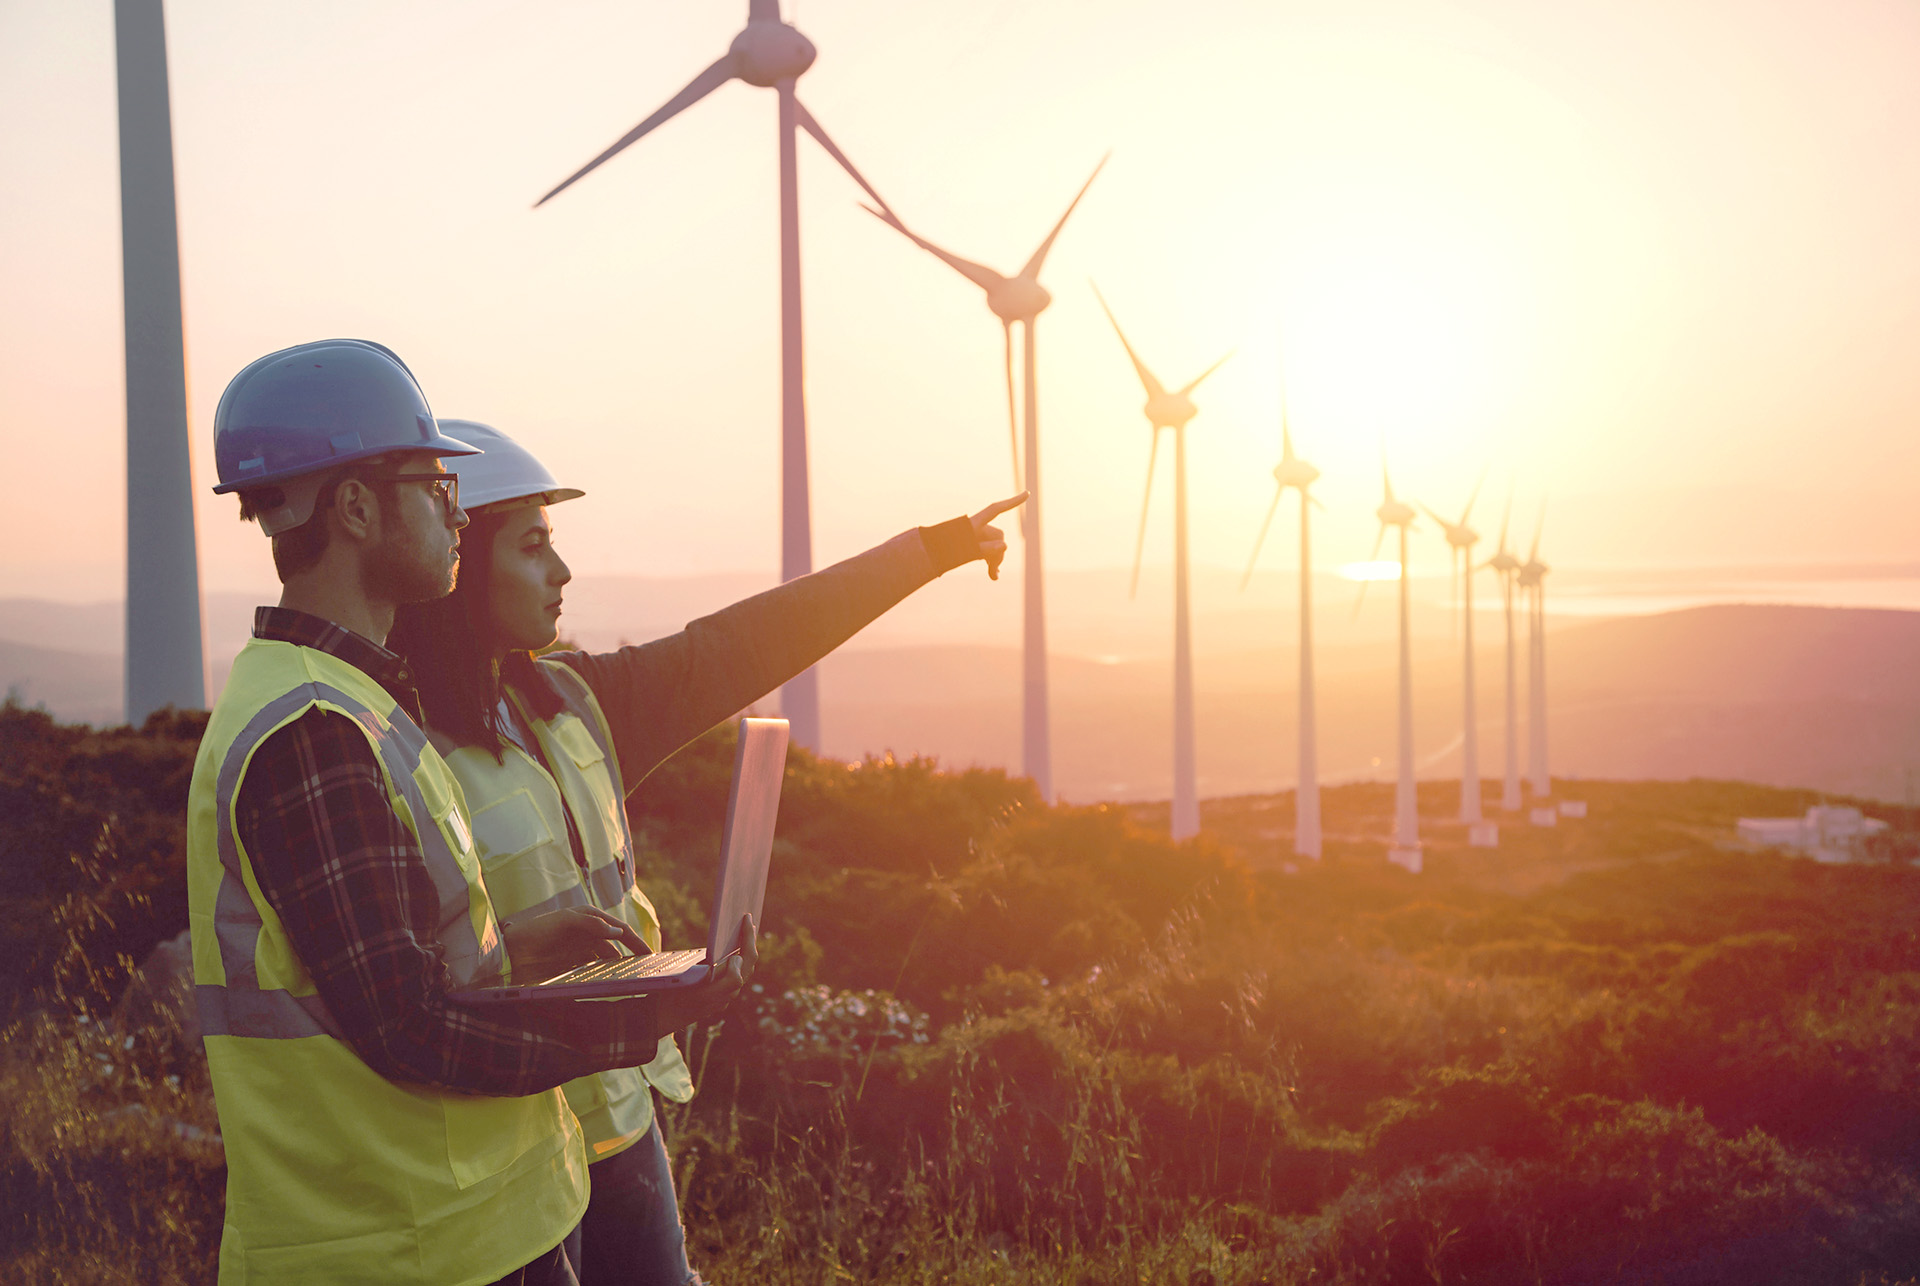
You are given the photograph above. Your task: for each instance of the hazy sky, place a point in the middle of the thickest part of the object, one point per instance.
(1663, 257)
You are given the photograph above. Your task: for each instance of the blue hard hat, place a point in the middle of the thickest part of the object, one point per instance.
(314, 407)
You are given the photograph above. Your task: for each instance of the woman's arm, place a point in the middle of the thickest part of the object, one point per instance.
(660, 695)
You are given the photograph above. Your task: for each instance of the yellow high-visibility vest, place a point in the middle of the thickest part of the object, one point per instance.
(519, 813)
(334, 1173)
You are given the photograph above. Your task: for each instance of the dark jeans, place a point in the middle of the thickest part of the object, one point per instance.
(555, 1268)
(631, 1235)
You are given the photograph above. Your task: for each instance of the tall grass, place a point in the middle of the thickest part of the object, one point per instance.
(992, 1041)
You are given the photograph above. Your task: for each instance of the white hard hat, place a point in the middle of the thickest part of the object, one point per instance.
(504, 472)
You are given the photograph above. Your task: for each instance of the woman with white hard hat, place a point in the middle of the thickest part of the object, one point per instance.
(547, 749)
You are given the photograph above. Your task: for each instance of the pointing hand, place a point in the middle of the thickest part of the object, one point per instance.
(993, 541)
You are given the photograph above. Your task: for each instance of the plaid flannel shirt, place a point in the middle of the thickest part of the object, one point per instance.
(350, 884)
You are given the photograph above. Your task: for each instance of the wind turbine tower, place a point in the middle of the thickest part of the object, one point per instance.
(1532, 578)
(771, 54)
(165, 663)
(1404, 850)
(1508, 567)
(1460, 542)
(1172, 410)
(1294, 472)
(1020, 298)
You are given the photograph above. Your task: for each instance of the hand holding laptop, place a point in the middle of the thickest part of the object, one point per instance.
(679, 1007)
(660, 1012)
(541, 946)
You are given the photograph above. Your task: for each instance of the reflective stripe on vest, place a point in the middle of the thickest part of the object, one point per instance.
(242, 1007)
(613, 881)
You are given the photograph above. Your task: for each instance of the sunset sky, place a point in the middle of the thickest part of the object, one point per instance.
(1658, 262)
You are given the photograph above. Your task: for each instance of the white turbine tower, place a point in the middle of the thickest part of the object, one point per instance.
(1294, 472)
(771, 54)
(1404, 850)
(1460, 542)
(1532, 578)
(1020, 298)
(165, 663)
(1172, 410)
(1508, 566)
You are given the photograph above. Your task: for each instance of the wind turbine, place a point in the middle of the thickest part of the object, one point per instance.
(1020, 298)
(1532, 578)
(1508, 566)
(1404, 850)
(1172, 410)
(1460, 542)
(771, 54)
(1294, 472)
(165, 657)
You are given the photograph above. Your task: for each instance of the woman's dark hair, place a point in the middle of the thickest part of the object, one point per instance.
(448, 642)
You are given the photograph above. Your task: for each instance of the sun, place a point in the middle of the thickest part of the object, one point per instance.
(1403, 324)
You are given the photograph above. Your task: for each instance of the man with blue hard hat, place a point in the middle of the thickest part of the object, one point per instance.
(375, 1129)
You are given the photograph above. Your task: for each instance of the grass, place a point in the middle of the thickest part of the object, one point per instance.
(993, 1041)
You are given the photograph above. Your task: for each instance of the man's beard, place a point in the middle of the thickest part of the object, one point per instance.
(405, 570)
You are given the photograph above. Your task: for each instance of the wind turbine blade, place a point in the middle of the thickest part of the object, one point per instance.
(1286, 418)
(1431, 514)
(1456, 565)
(1261, 539)
(979, 274)
(1203, 374)
(1013, 425)
(1472, 496)
(1505, 515)
(1314, 501)
(1386, 479)
(1533, 555)
(722, 71)
(1140, 545)
(1154, 387)
(1032, 269)
(812, 127)
(1360, 599)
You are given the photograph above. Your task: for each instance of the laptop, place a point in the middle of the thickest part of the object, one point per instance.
(746, 846)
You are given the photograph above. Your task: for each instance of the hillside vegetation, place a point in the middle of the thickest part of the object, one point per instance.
(994, 1041)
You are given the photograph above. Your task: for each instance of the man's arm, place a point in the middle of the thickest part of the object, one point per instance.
(660, 695)
(351, 886)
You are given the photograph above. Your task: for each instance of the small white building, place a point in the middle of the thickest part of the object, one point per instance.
(1828, 833)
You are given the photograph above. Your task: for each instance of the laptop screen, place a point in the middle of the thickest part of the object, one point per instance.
(746, 845)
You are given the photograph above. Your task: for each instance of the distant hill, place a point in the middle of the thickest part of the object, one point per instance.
(1824, 698)
(83, 687)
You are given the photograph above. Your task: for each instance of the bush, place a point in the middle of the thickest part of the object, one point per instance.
(994, 1041)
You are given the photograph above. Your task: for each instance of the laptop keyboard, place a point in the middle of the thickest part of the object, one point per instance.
(649, 966)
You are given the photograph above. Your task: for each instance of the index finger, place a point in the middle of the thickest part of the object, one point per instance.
(999, 507)
(622, 932)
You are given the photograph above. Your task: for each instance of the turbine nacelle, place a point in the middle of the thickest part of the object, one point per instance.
(1532, 573)
(1395, 513)
(769, 51)
(1295, 472)
(1170, 410)
(1504, 562)
(1018, 299)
